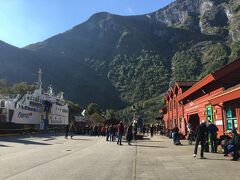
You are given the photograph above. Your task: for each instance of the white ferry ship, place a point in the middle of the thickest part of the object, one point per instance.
(37, 110)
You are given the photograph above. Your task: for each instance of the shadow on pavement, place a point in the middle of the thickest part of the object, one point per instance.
(49, 139)
(1, 145)
(22, 141)
(140, 145)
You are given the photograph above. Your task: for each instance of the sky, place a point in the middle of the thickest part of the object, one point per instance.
(23, 22)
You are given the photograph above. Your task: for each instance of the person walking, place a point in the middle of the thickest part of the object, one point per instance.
(71, 129)
(66, 131)
(201, 135)
(212, 131)
(111, 135)
(135, 131)
(129, 134)
(144, 130)
(120, 129)
(151, 131)
(107, 132)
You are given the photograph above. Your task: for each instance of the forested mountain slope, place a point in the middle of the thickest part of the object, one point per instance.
(118, 60)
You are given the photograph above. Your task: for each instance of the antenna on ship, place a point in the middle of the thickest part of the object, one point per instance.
(39, 84)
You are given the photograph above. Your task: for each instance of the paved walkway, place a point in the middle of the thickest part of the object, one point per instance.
(160, 159)
(54, 157)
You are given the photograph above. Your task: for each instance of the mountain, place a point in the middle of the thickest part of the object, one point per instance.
(119, 60)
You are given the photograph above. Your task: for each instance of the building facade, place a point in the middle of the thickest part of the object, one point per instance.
(215, 98)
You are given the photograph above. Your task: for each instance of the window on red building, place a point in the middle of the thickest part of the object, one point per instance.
(209, 113)
(231, 118)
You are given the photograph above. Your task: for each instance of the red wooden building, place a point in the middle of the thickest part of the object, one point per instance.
(173, 112)
(215, 98)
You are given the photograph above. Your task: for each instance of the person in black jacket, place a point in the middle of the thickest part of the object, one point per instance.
(212, 130)
(129, 134)
(201, 135)
(66, 131)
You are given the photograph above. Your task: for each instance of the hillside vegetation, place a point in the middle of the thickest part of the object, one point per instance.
(117, 61)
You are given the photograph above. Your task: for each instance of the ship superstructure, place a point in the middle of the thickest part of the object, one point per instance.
(36, 108)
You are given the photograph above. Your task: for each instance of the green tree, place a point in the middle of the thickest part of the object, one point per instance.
(74, 108)
(110, 114)
(214, 57)
(139, 77)
(4, 89)
(93, 108)
(22, 88)
(185, 66)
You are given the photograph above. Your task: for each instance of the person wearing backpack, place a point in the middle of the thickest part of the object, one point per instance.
(201, 135)
(212, 131)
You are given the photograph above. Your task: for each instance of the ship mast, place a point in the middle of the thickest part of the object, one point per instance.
(39, 83)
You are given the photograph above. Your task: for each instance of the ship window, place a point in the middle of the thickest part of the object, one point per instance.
(2, 103)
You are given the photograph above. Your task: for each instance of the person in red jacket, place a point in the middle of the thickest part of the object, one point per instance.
(120, 129)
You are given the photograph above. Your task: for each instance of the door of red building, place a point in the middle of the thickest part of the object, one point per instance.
(194, 120)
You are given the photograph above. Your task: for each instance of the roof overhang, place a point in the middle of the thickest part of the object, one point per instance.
(209, 78)
(227, 95)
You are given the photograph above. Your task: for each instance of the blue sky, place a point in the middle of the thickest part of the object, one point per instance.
(23, 22)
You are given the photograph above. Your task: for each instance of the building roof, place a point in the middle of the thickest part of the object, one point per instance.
(178, 84)
(218, 74)
(227, 95)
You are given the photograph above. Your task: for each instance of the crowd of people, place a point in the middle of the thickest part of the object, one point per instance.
(205, 133)
(112, 132)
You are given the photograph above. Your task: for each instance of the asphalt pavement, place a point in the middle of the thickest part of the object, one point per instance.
(49, 157)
